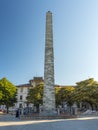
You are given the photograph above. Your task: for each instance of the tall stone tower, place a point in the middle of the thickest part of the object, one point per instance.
(49, 90)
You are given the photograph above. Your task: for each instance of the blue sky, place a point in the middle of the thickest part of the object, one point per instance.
(22, 39)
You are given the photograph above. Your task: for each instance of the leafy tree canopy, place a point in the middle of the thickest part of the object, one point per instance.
(64, 94)
(84, 91)
(35, 95)
(7, 92)
(87, 91)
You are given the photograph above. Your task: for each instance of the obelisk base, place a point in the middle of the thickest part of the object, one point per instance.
(48, 113)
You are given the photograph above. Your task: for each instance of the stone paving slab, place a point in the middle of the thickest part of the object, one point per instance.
(11, 123)
(8, 117)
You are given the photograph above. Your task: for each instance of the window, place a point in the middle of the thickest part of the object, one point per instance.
(21, 97)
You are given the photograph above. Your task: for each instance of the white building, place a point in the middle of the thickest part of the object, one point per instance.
(22, 92)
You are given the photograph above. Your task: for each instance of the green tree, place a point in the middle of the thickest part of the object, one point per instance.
(8, 93)
(64, 94)
(87, 92)
(35, 95)
(0, 94)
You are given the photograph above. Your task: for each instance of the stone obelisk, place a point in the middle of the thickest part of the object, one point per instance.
(49, 90)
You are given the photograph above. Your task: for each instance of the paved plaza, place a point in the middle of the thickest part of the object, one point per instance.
(8, 122)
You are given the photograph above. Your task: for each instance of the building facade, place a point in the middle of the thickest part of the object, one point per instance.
(22, 92)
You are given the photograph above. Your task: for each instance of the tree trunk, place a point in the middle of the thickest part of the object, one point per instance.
(7, 107)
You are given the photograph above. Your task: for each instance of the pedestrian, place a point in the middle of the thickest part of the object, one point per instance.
(17, 113)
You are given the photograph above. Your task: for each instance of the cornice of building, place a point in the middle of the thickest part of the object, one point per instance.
(24, 85)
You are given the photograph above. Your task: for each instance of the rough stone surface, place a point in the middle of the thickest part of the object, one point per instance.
(49, 92)
(8, 122)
